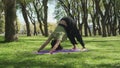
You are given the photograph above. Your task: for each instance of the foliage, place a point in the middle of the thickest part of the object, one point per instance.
(51, 27)
(25, 1)
(103, 53)
(105, 15)
(117, 4)
(1, 6)
(59, 11)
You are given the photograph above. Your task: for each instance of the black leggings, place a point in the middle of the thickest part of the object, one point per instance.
(72, 34)
(53, 42)
(76, 35)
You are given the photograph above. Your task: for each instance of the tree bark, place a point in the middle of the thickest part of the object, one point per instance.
(24, 13)
(45, 17)
(38, 11)
(85, 16)
(103, 20)
(10, 20)
(119, 27)
(97, 8)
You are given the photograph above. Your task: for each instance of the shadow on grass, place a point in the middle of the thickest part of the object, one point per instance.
(104, 65)
(87, 41)
(31, 63)
(35, 65)
(25, 60)
(116, 65)
(43, 64)
(2, 42)
(28, 60)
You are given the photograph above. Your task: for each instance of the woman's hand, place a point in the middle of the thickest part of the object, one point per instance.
(51, 52)
(38, 50)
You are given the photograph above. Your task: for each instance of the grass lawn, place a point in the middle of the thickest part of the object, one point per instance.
(103, 53)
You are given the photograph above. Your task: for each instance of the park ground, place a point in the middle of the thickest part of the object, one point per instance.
(103, 53)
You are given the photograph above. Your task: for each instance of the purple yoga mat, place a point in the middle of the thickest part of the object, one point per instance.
(62, 51)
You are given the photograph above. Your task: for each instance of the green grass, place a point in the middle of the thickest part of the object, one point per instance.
(103, 53)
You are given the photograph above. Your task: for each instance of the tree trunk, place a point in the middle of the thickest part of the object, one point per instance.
(85, 16)
(38, 16)
(109, 24)
(30, 15)
(114, 26)
(103, 20)
(24, 13)
(93, 16)
(35, 31)
(78, 18)
(1, 21)
(98, 25)
(115, 19)
(103, 27)
(45, 17)
(10, 20)
(119, 27)
(97, 7)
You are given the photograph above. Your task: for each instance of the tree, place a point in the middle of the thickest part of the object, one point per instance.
(105, 15)
(39, 14)
(45, 16)
(23, 4)
(66, 4)
(32, 17)
(10, 20)
(74, 9)
(41, 10)
(59, 12)
(85, 17)
(95, 18)
(117, 5)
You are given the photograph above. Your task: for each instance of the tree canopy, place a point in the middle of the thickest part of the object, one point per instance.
(93, 17)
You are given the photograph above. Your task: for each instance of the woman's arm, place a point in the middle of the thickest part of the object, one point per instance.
(45, 44)
(56, 45)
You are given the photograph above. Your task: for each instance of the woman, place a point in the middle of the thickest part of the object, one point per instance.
(65, 27)
(58, 36)
(73, 32)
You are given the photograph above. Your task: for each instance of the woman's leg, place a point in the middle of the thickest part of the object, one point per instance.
(79, 38)
(72, 40)
(53, 42)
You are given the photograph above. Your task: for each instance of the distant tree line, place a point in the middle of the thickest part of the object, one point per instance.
(31, 9)
(104, 15)
(93, 17)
